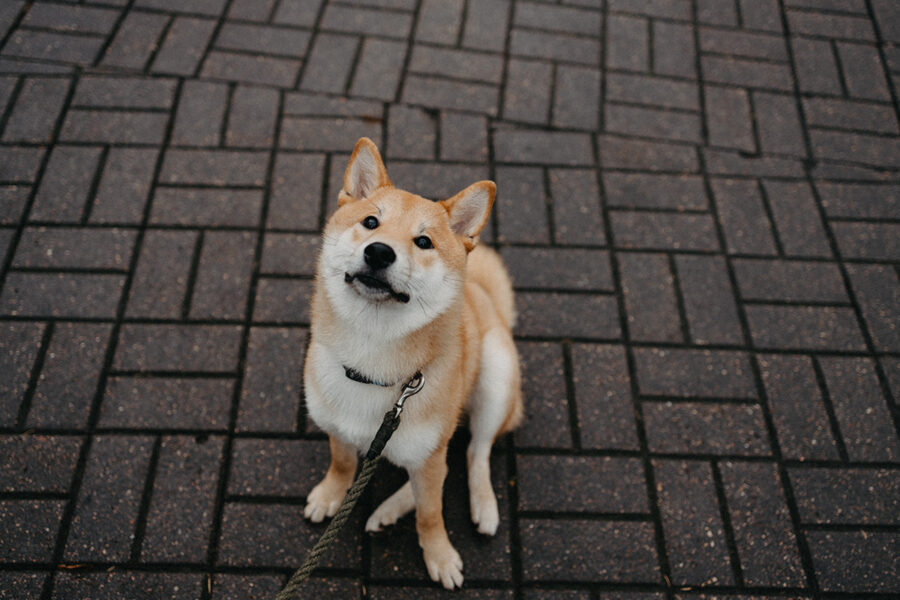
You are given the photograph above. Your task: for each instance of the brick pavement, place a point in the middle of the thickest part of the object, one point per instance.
(699, 203)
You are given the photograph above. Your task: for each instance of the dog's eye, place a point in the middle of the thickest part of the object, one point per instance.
(423, 242)
(370, 222)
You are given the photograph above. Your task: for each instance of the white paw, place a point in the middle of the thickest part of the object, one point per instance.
(484, 513)
(382, 518)
(445, 566)
(322, 501)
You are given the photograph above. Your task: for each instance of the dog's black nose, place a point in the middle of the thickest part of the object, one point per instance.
(379, 256)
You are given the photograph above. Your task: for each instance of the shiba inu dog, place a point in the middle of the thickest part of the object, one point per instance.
(401, 288)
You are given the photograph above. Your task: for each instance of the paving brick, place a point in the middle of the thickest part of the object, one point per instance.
(709, 304)
(109, 499)
(628, 45)
(61, 295)
(248, 68)
(124, 92)
(178, 348)
(521, 205)
(201, 110)
(61, 248)
(329, 63)
(135, 40)
(652, 122)
(416, 593)
(183, 47)
(724, 162)
(603, 397)
(529, 146)
(114, 127)
(886, 17)
(576, 210)
(212, 8)
(282, 300)
(59, 47)
(463, 137)
(367, 21)
(563, 315)
(558, 18)
(453, 95)
(36, 110)
(214, 167)
(746, 73)
(817, 71)
(429, 179)
(855, 147)
(19, 346)
(646, 89)
(853, 496)
(695, 537)
(63, 191)
(528, 91)
(295, 200)
(379, 69)
(262, 587)
(728, 120)
(848, 114)
(20, 165)
(251, 120)
(611, 550)
(166, 403)
(692, 373)
(706, 428)
(745, 225)
(124, 186)
(649, 290)
(68, 381)
(9, 12)
(789, 280)
(796, 219)
(830, 25)
(279, 41)
(161, 277)
(184, 494)
(855, 561)
(121, 583)
(862, 71)
(30, 528)
(576, 269)
(439, 21)
(305, 104)
(539, 44)
(38, 463)
(860, 408)
(585, 484)
(761, 14)
(546, 424)
(868, 240)
(645, 190)
(742, 43)
(179, 206)
(412, 133)
(663, 231)
(271, 390)
(251, 10)
(266, 467)
(679, 9)
(623, 153)
(778, 123)
(673, 49)
(320, 134)
(762, 525)
(484, 18)
(297, 12)
(290, 254)
(223, 275)
(576, 97)
(14, 585)
(804, 327)
(878, 294)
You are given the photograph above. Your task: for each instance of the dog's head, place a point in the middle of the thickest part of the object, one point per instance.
(393, 261)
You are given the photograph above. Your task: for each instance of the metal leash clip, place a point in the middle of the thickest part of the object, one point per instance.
(412, 387)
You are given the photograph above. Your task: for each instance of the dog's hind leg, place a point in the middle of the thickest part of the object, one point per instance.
(495, 407)
(391, 510)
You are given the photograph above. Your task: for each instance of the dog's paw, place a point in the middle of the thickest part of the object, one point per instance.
(390, 511)
(323, 501)
(484, 512)
(444, 565)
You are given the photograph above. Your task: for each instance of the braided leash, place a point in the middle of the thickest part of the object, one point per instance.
(373, 456)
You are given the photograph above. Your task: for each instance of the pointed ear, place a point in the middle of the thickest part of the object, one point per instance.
(470, 208)
(365, 173)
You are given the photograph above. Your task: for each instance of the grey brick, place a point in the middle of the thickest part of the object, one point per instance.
(855, 561)
(742, 43)
(9, 12)
(135, 40)
(716, 12)
(328, 135)
(260, 587)
(861, 409)
(692, 373)
(290, 253)
(271, 467)
(454, 95)
(779, 126)
(13, 199)
(529, 146)
(124, 92)
(706, 428)
(673, 49)
(677, 9)
(31, 527)
(623, 153)
(367, 21)
(212, 8)
(61, 295)
(804, 327)
(559, 18)
(180, 206)
(124, 186)
(653, 122)
(648, 89)
(746, 73)
(121, 583)
(184, 495)
(462, 64)
(728, 163)
(266, 70)
(576, 99)
(798, 411)
(628, 43)
(728, 119)
(603, 397)
(61, 248)
(543, 386)
(214, 167)
(37, 108)
(24, 583)
(431, 179)
(161, 277)
(663, 231)
(296, 191)
(789, 280)
(538, 44)
(212, 349)
(484, 18)
(576, 208)
(183, 47)
(252, 10)
(863, 72)
(868, 240)
(109, 499)
(878, 293)
(830, 25)
(223, 275)
(166, 403)
(412, 133)
(886, 17)
(873, 150)
(567, 315)
(463, 137)
(60, 47)
(847, 114)
(853, 496)
(379, 69)
(528, 91)
(304, 104)
(796, 219)
(20, 165)
(763, 530)
(251, 120)
(816, 69)
(63, 190)
(271, 393)
(201, 110)
(263, 40)
(650, 304)
(645, 190)
(589, 484)
(282, 300)
(440, 21)
(761, 14)
(521, 206)
(19, 346)
(297, 12)
(577, 269)
(118, 127)
(708, 300)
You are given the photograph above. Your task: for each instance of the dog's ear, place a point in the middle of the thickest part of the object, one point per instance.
(469, 210)
(365, 173)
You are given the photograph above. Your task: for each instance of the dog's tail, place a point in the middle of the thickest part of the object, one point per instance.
(486, 269)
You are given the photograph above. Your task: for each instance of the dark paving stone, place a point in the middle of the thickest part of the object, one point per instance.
(463, 137)
(546, 421)
(624, 153)
(559, 268)
(411, 133)
(653, 123)
(708, 300)
(529, 93)
(855, 561)
(459, 64)
(19, 346)
(878, 293)
(796, 219)
(124, 186)
(114, 127)
(19, 164)
(816, 67)
(260, 587)
(183, 46)
(414, 593)
(13, 199)
(223, 275)
(262, 39)
(290, 254)
(649, 289)
(862, 200)
(206, 207)
(161, 277)
(876, 241)
(45, 45)
(326, 135)
(201, 110)
(432, 180)
(529, 146)
(135, 40)
(75, 248)
(271, 389)
(603, 397)
(484, 19)
(804, 327)
(128, 584)
(30, 528)
(214, 167)
(644, 190)
(707, 428)
(35, 112)
(567, 315)
(656, 91)
(728, 118)
(743, 43)
(14, 585)
(627, 45)
(576, 101)
(263, 467)
(853, 496)
(663, 231)
(689, 373)
(538, 44)
(177, 348)
(295, 200)
(742, 214)
(789, 280)
(576, 208)
(37, 463)
(166, 403)
(61, 295)
(439, 22)
(521, 205)
(63, 191)
(778, 124)
(124, 92)
(282, 300)
(251, 118)
(735, 164)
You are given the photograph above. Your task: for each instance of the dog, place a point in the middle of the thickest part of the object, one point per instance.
(402, 287)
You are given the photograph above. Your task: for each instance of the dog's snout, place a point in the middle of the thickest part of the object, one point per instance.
(379, 256)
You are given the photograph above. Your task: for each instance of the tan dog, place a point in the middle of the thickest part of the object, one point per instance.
(401, 287)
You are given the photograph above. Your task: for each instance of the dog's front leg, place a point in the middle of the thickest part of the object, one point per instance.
(441, 558)
(325, 499)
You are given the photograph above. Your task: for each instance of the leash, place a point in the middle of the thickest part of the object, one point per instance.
(388, 426)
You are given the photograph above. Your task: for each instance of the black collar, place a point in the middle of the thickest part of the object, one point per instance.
(355, 375)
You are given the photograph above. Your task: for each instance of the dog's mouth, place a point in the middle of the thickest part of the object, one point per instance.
(374, 283)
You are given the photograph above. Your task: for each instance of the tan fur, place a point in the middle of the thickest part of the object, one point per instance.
(447, 349)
